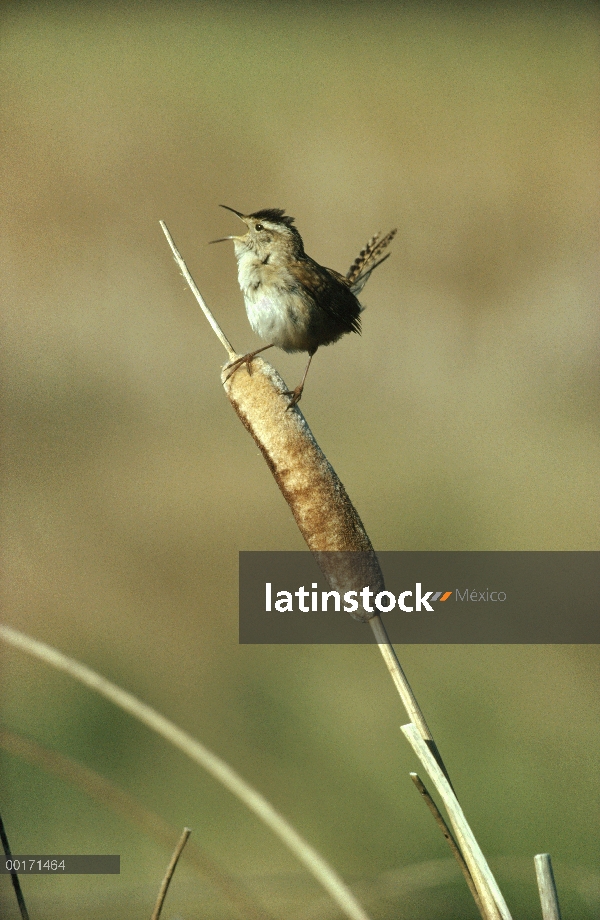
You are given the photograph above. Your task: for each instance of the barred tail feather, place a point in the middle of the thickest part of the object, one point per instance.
(368, 260)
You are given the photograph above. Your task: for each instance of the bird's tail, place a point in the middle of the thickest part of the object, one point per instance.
(368, 260)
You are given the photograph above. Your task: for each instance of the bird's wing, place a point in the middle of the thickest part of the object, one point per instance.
(329, 291)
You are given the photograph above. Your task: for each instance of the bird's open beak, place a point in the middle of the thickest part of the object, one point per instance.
(241, 217)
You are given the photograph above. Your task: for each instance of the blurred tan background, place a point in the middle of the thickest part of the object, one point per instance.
(465, 417)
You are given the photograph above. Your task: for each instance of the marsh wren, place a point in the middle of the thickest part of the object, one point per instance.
(291, 300)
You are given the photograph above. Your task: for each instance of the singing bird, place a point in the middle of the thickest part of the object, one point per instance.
(292, 301)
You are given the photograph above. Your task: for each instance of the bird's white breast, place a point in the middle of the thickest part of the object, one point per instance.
(273, 303)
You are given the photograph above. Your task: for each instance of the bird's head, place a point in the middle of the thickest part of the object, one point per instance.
(270, 235)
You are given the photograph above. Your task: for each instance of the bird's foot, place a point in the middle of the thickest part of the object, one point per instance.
(235, 365)
(296, 395)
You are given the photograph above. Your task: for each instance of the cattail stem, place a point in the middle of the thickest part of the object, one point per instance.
(335, 534)
(192, 284)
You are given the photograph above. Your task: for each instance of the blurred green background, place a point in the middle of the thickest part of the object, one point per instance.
(465, 417)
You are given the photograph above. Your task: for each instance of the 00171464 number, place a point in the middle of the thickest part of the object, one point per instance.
(34, 865)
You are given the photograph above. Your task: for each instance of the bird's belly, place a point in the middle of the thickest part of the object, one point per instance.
(279, 317)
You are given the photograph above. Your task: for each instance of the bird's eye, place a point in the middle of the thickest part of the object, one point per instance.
(259, 227)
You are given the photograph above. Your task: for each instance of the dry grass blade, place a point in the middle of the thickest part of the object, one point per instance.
(169, 874)
(218, 768)
(547, 887)
(490, 895)
(14, 876)
(439, 820)
(130, 809)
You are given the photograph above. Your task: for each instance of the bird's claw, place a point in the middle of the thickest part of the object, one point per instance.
(235, 365)
(296, 396)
